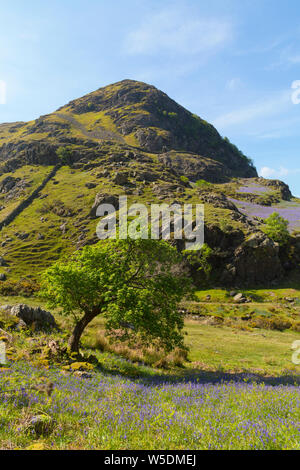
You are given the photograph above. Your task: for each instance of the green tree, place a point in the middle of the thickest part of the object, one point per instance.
(276, 227)
(135, 284)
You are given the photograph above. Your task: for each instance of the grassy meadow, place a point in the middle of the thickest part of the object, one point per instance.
(235, 388)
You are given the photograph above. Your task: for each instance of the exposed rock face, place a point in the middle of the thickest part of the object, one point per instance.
(196, 167)
(257, 260)
(24, 153)
(8, 183)
(285, 192)
(36, 315)
(250, 261)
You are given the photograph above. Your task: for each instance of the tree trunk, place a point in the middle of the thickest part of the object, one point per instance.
(74, 340)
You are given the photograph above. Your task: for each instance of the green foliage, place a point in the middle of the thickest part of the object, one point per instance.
(276, 227)
(65, 155)
(201, 260)
(168, 114)
(203, 184)
(225, 226)
(26, 288)
(204, 255)
(235, 149)
(132, 283)
(197, 126)
(184, 179)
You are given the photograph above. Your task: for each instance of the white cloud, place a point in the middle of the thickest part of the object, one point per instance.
(264, 108)
(267, 172)
(178, 33)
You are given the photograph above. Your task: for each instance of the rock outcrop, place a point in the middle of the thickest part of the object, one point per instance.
(33, 315)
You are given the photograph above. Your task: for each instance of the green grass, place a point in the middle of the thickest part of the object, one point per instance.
(220, 398)
(223, 348)
(229, 349)
(271, 295)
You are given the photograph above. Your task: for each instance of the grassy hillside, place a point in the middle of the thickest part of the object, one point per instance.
(130, 138)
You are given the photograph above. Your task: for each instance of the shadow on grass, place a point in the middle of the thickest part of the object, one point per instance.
(197, 376)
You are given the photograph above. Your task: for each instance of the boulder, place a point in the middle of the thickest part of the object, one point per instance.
(239, 298)
(90, 185)
(104, 199)
(2, 261)
(33, 315)
(120, 178)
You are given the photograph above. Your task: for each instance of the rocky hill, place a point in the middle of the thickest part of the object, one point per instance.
(130, 138)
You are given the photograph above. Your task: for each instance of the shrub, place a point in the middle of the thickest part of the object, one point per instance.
(65, 155)
(274, 323)
(200, 259)
(184, 179)
(203, 184)
(276, 228)
(26, 288)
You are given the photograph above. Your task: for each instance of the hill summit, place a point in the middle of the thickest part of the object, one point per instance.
(136, 114)
(130, 138)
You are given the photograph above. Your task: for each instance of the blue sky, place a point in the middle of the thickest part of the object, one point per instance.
(232, 62)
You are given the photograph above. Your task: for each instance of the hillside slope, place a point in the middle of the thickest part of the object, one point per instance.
(130, 138)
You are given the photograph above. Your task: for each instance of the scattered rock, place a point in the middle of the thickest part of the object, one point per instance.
(240, 298)
(90, 185)
(63, 228)
(8, 183)
(83, 375)
(120, 178)
(22, 235)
